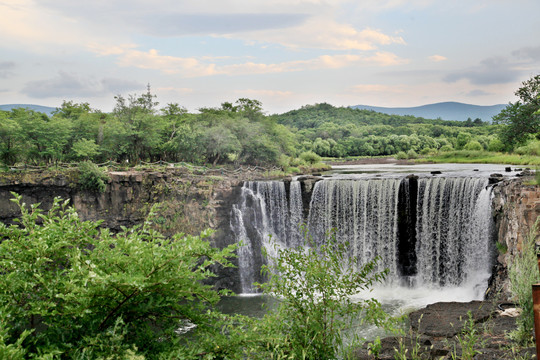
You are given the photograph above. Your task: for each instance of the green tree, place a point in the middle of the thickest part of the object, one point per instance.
(71, 110)
(10, 140)
(46, 139)
(522, 118)
(220, 142)
(85, 149)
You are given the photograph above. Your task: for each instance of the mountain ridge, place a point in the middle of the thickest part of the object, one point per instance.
(38, 108)
(449, 110)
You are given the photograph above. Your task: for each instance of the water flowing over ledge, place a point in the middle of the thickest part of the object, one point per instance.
(431, 232)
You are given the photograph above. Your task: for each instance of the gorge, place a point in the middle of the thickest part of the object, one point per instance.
(430, 230)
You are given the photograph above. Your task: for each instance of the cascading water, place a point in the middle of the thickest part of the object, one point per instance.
(429, 232)
(264, 211)
(363, 214)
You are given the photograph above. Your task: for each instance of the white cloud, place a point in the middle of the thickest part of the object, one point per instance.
(324, 32)
(437, 58)
(28, 25)
(193, 67)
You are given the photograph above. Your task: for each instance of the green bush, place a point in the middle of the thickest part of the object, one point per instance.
(402, 155)
(446, 148)
(69, 289)
(411, 154)
(310, 158)
(315, 285)
(473, 145)
(496, 145)
(91, 177)
(523, 272)
(532, 148)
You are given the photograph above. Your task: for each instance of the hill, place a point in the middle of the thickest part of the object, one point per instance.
(38, 108)
(443, 110)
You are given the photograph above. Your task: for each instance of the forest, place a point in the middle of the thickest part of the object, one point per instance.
(240, 133)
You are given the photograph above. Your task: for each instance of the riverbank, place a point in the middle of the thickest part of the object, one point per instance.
(482, 157)
(444, 331)
(451, 157)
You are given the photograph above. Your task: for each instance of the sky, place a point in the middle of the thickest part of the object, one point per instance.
(284, 53)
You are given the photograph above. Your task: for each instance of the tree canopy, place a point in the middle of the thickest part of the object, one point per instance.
(521, 119)
(234, 133)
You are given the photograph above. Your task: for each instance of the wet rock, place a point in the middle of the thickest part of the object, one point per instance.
(495, 178)
(436, 172)
(446, 319)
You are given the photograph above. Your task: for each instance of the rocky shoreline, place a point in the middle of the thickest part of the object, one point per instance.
(443, 331)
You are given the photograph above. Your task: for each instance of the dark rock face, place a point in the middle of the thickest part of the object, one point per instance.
(437, 333)
(516, 206)
(448, 319)
(189, 202)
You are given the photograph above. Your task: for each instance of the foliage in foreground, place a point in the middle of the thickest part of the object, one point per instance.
(72, 290)
(523, 272)
(316, 314)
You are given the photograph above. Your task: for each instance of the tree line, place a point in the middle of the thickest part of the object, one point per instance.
(241, 133)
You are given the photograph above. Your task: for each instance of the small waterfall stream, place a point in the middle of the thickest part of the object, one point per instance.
(428, 231)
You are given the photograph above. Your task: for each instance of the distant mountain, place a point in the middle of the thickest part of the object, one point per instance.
(443, 110)
(38, 108)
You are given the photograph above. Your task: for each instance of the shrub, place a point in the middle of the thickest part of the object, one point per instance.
(411, 154)
(496, 145)
(532, 148)
(310, 158)
(523, 272)
(473, 145)
(85, 293)
(315, 284)
(402, 155)
(446, 148)
(91, 177)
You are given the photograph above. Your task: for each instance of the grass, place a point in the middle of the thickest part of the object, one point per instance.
(482, 157)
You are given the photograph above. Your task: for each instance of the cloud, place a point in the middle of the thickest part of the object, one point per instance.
(264, 93)
(437, 58)
(71, 85)
(325, 33)
(496, 70)
(478, 93)
(528, 53)
(5, 69)
(299, 24)
(193, 67)
(180, 24)
(377, 88)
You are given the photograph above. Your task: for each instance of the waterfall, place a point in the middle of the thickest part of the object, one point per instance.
(264, 212)
(429, 231)
(363, 213)
(453, 229)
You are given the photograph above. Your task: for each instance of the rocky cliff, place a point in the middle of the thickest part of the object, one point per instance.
(516, 206)
(192, 200)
